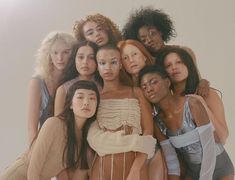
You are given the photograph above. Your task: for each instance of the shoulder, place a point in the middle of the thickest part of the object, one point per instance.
(195, 101)
(198, 111)
(53, 124)
(138, 92)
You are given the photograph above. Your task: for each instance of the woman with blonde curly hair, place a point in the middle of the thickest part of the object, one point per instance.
(52, 58)
(97, 28)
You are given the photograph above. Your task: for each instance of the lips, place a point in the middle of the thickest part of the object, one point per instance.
(84, 68)
(176, 73)
(86, 109)
(99, 40)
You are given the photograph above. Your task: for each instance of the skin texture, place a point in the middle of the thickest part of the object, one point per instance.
(95, 33)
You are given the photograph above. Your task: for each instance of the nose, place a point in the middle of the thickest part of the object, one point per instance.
(85, 60)
(86, 102)
(148, 40)
(148, 88)
(96, 32)
(60, 56)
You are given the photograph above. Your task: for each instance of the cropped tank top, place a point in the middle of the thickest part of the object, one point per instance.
(116, 113)
(47, 102)
(191, 153)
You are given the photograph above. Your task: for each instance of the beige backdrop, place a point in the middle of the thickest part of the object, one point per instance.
(207, 27)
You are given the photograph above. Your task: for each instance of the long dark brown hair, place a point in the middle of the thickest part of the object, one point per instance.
(75, 153)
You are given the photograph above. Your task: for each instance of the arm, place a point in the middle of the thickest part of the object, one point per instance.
(216, 107)
(41, 148)
(106, 142)
(170, 155)
(147, 129)
(204, 85)
(60, 100)
(205, 132)
(34, 101)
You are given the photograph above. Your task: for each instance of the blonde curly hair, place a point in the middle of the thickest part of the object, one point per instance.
(44, 66)
(109, 26)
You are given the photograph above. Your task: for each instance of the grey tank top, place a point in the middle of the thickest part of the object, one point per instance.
(191, 153)
(47, 102)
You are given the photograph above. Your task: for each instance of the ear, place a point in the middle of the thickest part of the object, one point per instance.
(120, 65)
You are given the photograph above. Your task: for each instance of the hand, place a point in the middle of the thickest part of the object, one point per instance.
(203, 88)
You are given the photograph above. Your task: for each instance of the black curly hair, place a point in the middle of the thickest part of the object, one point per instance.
(147, 16)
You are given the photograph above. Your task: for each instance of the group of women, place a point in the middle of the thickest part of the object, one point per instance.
(106, 105)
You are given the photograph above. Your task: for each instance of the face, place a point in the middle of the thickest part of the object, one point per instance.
(133, 59)
(60, 54)
(85, 61)
(151, 38)
(154, 87)
(109, 64)
(84, 103)
(176, 69)
(95, 33)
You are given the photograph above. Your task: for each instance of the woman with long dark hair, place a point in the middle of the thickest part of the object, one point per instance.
(62, 141)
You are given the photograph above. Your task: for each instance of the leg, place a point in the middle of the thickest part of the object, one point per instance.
(157, 167)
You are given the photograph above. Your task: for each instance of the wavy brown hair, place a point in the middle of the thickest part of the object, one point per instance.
(109, 26)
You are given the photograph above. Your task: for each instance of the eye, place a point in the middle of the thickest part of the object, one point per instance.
(91, 57)
(144, 87)
(153, 82)
(99, 28)
(93, 98)
(101, 63)
(125, 58)
(79, 97)
(89, 33)
(114, 62)
(80, 57)
(54, 53)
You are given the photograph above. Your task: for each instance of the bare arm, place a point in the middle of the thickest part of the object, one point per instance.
(60, 100)
(34, 101)
(147, 129)
(216, 106)
(146, 113)
(204, 85)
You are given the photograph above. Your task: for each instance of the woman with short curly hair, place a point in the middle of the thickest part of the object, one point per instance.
(97, 28)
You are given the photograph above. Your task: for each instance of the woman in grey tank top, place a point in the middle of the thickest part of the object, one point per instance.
(182, 71)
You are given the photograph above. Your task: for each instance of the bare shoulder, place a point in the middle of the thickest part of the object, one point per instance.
(138, 92)
(34, 83)
(198, 111)
(194, 102)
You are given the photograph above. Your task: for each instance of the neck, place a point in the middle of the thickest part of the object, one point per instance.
(165, 103)
(79, 122)
(134, 79)
(179, 88)
(112, 85)
(86, 77)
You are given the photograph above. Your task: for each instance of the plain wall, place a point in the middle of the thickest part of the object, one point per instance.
(207, 27)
